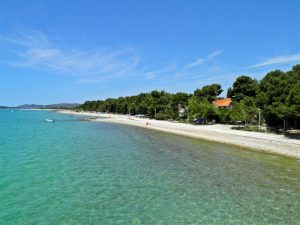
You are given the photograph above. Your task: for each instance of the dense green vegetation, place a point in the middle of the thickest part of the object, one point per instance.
(277, 95)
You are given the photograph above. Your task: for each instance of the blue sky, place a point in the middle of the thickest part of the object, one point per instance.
(71, 51)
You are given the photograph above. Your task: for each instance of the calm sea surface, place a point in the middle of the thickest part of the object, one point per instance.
(73, 172)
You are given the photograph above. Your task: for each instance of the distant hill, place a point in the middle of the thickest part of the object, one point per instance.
(28, 106)
(62, 105)
(3, 107)
(52, 106)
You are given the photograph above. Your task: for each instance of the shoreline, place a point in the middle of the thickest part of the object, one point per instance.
(264, 142)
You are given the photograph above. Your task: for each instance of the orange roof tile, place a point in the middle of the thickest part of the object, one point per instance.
(223, 102)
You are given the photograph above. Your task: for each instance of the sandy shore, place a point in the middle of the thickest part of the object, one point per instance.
(271, 143)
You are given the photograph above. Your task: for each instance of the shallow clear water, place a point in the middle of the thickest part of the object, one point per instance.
(72, 172)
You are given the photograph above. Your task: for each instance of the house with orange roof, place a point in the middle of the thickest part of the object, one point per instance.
(225, 103)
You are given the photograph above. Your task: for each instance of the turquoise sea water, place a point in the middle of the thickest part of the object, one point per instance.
(73, 172)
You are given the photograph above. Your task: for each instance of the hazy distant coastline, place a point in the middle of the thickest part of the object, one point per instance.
(50, 106)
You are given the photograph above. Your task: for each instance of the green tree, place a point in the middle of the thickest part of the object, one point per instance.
(243, 86)
(209, 92)
(201, 108)
(293, 100)
(223, 115)
(277, 94)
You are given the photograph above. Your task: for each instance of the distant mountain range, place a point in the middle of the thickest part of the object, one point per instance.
(52, 106)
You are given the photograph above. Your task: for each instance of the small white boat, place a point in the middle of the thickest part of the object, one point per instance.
(49, 120)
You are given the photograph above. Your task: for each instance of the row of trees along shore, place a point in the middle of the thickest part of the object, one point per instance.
(277, 95)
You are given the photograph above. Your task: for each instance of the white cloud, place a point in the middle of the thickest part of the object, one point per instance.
(154, 73)
(36, 51)
(207, 58)
(194, 67)
(150, 75)
(278, 60)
